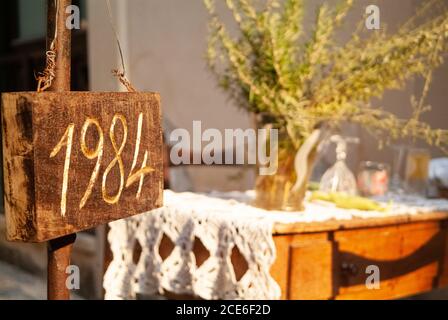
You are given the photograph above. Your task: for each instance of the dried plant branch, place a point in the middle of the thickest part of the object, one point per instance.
(272, 69)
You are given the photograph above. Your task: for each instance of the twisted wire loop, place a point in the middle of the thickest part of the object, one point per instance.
(124, 81)
(46, 77)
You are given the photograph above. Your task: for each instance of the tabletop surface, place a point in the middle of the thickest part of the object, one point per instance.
(356, 223)
(319, 217)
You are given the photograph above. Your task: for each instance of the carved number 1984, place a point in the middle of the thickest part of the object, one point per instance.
(97, 153)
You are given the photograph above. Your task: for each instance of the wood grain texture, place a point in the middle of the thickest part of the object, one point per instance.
(310, 280)
(36, 135)
(281, 266)
(412, 259)
(407, 256)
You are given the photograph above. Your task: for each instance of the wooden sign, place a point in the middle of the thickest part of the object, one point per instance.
(74, 160)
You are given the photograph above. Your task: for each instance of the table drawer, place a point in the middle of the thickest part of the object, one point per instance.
(410, 258)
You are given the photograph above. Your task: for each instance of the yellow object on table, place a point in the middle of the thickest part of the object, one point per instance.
(344, 201)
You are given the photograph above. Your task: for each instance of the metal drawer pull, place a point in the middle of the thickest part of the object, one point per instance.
(349, 269)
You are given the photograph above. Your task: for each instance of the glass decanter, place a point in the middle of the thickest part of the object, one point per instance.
(339, 178)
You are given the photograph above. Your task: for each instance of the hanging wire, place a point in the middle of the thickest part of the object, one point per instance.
(121, 75)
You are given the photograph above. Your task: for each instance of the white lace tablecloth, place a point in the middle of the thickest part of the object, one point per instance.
(221, 221)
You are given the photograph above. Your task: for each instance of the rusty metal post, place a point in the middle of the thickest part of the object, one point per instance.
(59, 250)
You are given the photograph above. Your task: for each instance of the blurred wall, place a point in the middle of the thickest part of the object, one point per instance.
(164, 42)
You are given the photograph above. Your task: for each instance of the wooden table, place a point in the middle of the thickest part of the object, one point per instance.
(329, 260)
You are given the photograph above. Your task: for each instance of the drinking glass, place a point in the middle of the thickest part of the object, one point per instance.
(373, 178)
(417, 171)
(399, 165)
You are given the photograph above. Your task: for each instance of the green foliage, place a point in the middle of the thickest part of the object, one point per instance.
(271, 68)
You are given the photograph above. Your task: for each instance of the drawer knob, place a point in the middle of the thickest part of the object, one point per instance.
(349, 269)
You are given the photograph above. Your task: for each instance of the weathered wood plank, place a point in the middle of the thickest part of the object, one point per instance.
(75, 160)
